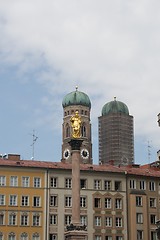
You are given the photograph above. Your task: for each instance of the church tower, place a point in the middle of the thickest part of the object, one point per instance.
(72, 102)
(116, 141)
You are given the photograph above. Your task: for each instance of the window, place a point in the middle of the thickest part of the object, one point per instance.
(107, 185)
(53, 219)
(1, 218)
(108, 222)
(2, 199)
(35, 236)
(68, 183)
(118, 222)
(132, 184)
(37, 182)
(83, 202)
(138, 201)
(118, 203)
(14, 181)
(107, 202)
(97, 184)
(139, 217)
(153, 219)
(2, 181)
(142, 185)
(67, 130)
(83, 183)
(68, 219)
(25, 201)
(24, 236)
(119, 238)
(52, 237)
(117, 186)
(98, 237)
(13, 200)
(108, 238)
(1, 236)
(83, 220)
(36, 202)
(25, 181)
(139, 235)
(97, 221)
(153, 235)
(53, 201)
(12, 219)
(53, 182)
(83, 131)
(36, 220)
(68, 201)
(24, 220)
(97, 202)
(152, 186)
(12, 236)
(152, 202)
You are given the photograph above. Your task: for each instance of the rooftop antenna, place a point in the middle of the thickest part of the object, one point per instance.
(149, 151)
(34, 139)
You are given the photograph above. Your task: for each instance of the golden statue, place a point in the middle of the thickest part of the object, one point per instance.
(76, 125)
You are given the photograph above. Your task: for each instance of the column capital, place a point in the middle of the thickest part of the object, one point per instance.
(75, 143)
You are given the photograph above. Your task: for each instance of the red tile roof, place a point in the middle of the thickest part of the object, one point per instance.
(145, 170)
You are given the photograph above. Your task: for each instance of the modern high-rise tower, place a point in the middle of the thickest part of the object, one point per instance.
(116, 141)
(72, 102)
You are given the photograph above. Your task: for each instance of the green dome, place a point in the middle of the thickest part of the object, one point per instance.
(76, 98)
(115, 107)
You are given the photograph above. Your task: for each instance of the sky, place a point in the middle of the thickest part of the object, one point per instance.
(106, 48)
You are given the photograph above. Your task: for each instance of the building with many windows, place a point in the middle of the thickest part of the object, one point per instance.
(22, 200)
(116, 203)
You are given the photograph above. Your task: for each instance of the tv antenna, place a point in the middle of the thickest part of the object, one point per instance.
(149, 151)
(34, 139)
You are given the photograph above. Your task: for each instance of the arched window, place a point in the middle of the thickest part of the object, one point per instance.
(35, 236)
(1, 236)
(11, 236)
(67, 130)
(24, 236)
(83, 130)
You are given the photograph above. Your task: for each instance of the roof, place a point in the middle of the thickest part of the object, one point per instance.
(115, 107)
(145, 170)
(76, 98)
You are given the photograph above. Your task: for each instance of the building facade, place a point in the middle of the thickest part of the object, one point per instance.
(22, 200)
(116, 203)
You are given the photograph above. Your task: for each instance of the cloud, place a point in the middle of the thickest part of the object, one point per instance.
(108, 48)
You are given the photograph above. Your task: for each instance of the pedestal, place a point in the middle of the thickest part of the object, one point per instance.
(76, 235)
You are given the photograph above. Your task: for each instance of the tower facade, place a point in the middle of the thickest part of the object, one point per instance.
(116, 143)
(73, 102)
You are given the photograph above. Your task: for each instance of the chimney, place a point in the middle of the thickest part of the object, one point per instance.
(14, 157)
(111, 162)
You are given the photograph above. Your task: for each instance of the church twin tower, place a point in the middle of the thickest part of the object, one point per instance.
(116, 140)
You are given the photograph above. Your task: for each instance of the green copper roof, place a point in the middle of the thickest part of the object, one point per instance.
(115, 107)
(76, 98)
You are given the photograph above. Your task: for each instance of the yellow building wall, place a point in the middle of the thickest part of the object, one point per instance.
(20, 191)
